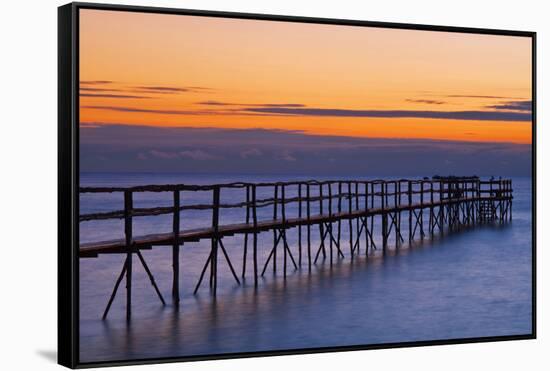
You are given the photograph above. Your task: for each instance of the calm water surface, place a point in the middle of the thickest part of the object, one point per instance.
(469, 284)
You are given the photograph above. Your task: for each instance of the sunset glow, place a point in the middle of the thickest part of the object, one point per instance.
(189, 71)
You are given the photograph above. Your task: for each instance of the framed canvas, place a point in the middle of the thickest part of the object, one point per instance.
(236, 185)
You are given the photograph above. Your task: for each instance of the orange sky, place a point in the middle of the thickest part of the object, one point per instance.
(251, 63)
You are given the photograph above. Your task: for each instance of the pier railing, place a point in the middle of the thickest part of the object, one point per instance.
(451, 203)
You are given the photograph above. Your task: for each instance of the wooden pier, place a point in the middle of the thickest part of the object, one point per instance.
(323, 207)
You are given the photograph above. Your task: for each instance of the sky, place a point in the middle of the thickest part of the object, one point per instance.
(200, 94)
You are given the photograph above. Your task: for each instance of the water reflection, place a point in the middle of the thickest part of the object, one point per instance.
(467, 284)
(440, 288)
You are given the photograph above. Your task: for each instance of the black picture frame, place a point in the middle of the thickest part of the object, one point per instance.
(68, 180)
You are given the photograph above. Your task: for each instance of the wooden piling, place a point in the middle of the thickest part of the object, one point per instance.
(421, 216)
(339, 212)
(255, 236)
(176, 249)
(283, 229)
(432, 218)
(247, 220)
(410, 200)
(308, 215)
(329, 224)
(350, 224)
(275, 197)
(215, 236)
(396, 214)
(128, 206)
(372, 216)
(384, 217)
(321, 226)
(440, 208)
(300, 226)
(365, 219)
(357, 219)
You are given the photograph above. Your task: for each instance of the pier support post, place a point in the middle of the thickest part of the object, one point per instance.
(275, 198)
(176, 249)
(308, 215)
(339, 212)
(300, 226)
(329, 224)
(421, 216)
(127, 267)
(255, 237)
(398, 236)
(409, 195)
(357, 226)
(215, 223)
(216, 242)
(384, 232)
(510, 199)
(321, 226)
(246, 234)
(384, 218)
(350, 221)
(440, 209)
(128, 206)
(128, 286)
(365, 219)
(433, 221)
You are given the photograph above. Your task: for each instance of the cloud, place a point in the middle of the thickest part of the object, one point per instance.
(100, 133)
(248, 153)
(163, 154)
(260, 151)
(287, 156)
(96, 82)
(522, 105)
(217, 103)
(279, 105)
(197, 154)
(119, 96)
(193, 154)
(478, 96)
(145, 110)
(85, 88)
(91, 85)
(452, 115)
(338, 112)
(238, 112)
(162, 89)
(427, 101)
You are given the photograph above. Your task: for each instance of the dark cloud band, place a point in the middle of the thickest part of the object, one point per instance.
(526, 106)
(332, 112)
(116, 96)
(478, 96)
(96, 82)
(124, 147)
(450, 115)
(144, 110)
(222, 104)
(425, 101)
(162, 89)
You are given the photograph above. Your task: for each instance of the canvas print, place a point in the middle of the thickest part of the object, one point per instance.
(261, 186)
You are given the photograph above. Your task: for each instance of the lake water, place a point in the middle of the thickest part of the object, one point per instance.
(475, 283)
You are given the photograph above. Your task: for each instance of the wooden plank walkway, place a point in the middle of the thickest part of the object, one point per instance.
(118, 246)
(450, 203)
